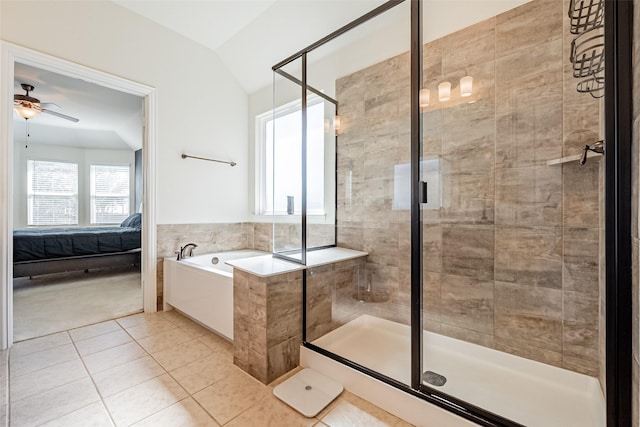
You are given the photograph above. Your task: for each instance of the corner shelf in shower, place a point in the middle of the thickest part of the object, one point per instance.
(573, 158)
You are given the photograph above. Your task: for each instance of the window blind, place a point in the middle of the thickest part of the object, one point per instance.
(109, 193)
(52, 193)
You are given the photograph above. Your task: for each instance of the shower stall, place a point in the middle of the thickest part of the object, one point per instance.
(459, 144)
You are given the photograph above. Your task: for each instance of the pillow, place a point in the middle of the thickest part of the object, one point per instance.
(134, 221)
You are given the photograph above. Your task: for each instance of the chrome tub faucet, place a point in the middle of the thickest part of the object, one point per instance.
(186, 251)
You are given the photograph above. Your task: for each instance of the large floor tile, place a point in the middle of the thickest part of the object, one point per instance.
(38, 344)
(94, 330)
(217, 343)
(52, 404)
(136, 319)
(137, 403)
(102, 342)
(184, 413)
(181, 354)
(203, 372)
(151, 325)
(24, 364)
(193, 329)
(23, 386)
(122, 377)
(164, 340)
(115, 356)
(229, 397)
(94, 415)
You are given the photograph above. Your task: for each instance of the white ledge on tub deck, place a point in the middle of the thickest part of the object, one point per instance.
(330, 255)
(267, 265)
(264, 266)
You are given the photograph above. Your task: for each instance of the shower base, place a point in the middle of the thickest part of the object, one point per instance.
(525, 391)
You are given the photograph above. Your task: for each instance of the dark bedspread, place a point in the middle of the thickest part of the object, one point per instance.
(40, 244)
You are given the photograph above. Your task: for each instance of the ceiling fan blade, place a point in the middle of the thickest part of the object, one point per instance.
(62, 116)
(50, 106)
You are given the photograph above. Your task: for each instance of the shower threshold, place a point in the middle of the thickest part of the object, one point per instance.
(523, 390)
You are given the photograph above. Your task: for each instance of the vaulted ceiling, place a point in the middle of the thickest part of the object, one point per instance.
(250, 36)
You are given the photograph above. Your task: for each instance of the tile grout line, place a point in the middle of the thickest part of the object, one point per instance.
(94, 385)
(189, 395)
(8, 417)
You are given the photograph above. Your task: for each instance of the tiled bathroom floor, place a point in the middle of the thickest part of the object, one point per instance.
(152, 370)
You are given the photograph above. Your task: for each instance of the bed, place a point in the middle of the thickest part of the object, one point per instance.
(56, 250)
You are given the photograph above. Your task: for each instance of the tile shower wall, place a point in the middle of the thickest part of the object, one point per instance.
(511, 250)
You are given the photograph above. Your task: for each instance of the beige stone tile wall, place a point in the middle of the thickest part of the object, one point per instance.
(267, 323)
(511, 252)
(332, 290)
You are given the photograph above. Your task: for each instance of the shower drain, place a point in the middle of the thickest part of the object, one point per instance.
(433, 378)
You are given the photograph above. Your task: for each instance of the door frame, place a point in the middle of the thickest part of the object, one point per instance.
(10, 54)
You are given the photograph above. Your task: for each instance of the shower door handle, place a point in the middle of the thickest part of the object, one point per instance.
(423, 191)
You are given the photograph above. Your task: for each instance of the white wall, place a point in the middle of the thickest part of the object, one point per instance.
(201, 109)
(84, 159)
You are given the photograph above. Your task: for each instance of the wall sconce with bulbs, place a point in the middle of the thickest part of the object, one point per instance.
(444, 91)
(336, 124)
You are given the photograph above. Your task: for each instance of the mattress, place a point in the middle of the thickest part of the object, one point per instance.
(38, 244)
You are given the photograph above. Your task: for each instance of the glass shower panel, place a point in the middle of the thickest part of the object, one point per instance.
(283, 161)
(321, 161)
(511, 233)
(367, 71)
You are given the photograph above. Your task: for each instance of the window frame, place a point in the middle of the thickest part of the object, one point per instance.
(261, 160)
(91, 195)
(31, 194)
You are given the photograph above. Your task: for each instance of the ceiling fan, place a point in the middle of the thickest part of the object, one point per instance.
(29, 107)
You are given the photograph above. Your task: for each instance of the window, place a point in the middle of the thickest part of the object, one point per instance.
(52, 193)
(280, 172)
(109, 191)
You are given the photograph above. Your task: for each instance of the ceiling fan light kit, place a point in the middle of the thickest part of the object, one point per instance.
(29, 107)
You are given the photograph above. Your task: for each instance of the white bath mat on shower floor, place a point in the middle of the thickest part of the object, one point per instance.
(308, 392)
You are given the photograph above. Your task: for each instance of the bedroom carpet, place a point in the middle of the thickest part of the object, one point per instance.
(58, 302)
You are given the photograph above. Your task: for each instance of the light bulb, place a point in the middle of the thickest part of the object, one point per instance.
(444, 91)
(424, 97)
(466, 86)
(336, 124)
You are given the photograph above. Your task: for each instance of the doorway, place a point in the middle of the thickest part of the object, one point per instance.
(13, 58)
(76, 208)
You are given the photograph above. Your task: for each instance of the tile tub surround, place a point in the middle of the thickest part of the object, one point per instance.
(169, 372)
(222, 237)
(268, 310)
(210, 238)
(267, 323)
(511, 254)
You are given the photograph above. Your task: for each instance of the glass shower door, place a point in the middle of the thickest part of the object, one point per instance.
(367, 301)
(511, 256)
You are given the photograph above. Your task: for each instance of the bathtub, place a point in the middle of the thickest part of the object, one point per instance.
(202, 288)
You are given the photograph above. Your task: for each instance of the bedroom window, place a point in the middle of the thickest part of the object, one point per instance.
(272, 195)
(109, 189)
(52, 193)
